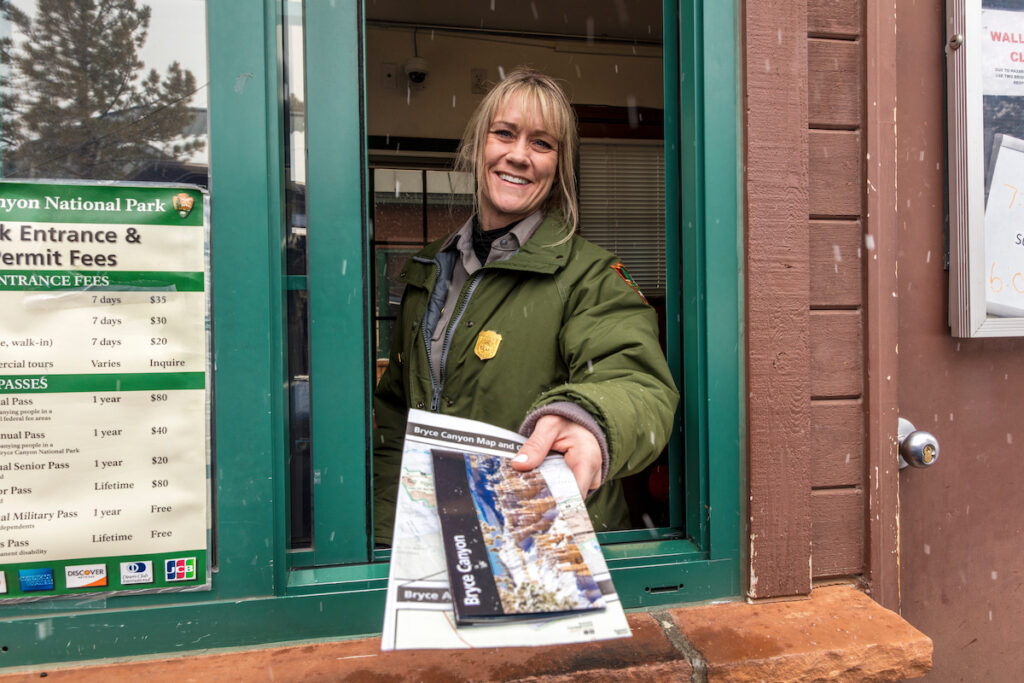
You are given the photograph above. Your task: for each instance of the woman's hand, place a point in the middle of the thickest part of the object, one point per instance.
(582, 452)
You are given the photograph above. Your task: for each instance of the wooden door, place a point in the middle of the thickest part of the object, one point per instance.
(961, 521)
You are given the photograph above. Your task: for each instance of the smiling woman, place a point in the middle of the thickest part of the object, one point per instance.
(515, 320)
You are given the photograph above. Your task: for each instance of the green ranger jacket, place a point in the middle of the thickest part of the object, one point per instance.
(573, 328)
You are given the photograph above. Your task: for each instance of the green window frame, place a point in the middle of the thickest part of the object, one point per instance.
(262, 592)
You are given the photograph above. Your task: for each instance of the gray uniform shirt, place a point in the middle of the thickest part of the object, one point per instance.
(462, 240)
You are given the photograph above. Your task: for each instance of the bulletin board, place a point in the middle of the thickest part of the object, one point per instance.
(985, 71)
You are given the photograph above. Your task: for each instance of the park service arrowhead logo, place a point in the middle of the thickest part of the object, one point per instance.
(183, 204)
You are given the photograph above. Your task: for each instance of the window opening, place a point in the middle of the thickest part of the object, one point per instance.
(610, 62)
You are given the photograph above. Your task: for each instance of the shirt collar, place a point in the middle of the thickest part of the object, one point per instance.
(462, 239)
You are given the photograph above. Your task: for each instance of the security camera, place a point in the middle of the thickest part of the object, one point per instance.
(416, 70)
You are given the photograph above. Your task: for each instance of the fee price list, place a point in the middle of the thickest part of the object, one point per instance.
(104, 402)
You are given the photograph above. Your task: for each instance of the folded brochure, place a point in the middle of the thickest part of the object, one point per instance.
(420, 610)
(510, 547)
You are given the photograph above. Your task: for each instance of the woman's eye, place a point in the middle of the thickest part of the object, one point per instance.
(501, 133)
(544, 144)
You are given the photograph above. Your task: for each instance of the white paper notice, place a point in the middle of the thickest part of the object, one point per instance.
(1002, 35)
(104, 347)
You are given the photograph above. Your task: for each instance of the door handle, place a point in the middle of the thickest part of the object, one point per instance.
(918, 448)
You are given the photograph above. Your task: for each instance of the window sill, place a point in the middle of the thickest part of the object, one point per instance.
(839, 633)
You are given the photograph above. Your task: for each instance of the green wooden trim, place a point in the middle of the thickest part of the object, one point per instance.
(635, 535)
(246, 293)
(615, 545)
(638, 554)
(636, 568)
(354, 606)
(673, 294)
(664, 584)
(337, 279)
(300, 558)
(352, 577)
(274, 139)
(693, 275)
(723, 284)
(183, 628)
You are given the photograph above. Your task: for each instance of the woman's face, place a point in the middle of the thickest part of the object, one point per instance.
(520, 159)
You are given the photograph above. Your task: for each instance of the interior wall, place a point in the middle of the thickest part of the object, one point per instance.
(609, 74)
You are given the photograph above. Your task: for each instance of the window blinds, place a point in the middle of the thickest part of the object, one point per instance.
(622, 205)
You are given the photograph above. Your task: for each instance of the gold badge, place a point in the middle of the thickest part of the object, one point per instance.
(487, 345)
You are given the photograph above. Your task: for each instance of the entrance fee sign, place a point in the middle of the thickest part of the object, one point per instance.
(104, 389)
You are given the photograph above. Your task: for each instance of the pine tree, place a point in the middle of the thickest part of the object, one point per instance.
(75, 101)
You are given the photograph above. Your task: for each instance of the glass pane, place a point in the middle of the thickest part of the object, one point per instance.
(622, 205)
(449, 202)
(299, 463)
(295, 136)
(388, 294)
(135, 110)
(300, 457)
(397, 205)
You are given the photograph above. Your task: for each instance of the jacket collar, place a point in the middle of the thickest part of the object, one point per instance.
(546, 252)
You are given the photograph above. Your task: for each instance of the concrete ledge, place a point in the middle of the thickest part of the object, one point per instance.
(838, 634)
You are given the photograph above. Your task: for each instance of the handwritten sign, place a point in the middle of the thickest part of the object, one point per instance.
(1004, 229)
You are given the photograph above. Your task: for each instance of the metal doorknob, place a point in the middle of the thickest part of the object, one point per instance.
(918, 448)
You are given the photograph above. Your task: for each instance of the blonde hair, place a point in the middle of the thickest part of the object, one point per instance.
(538, 92)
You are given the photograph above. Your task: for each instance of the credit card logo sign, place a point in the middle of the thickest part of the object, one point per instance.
(3, 582)
(180, 569)
(85, 576)
(136, 572)
(35, 579)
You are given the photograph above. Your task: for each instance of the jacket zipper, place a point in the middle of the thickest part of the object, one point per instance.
(426, 337)
(435, 400)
